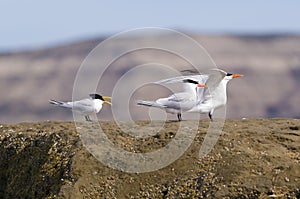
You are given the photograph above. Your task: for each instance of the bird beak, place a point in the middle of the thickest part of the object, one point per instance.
(201, 85)
(107, 102)
(237, 75)
(106, 97)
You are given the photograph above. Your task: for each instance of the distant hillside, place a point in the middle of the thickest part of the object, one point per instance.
(270, 88)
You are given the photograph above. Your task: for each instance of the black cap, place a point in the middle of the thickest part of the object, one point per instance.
(96, 96)
(190, 81)
(228, 74)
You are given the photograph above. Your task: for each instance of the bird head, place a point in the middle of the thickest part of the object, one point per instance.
(195, 83)
(230, 76)
(102, 98)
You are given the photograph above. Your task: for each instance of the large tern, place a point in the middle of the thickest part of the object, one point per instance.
(214, 95)
(178, 102)
(86, 106)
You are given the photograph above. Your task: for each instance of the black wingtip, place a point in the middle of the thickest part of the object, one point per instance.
(55, 102)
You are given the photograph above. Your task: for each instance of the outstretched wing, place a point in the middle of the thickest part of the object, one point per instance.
(201, 79)
(215, 76)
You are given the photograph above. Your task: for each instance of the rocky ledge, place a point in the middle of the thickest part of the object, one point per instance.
(253, 158)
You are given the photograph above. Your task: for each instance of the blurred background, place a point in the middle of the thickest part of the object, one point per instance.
(43, 44)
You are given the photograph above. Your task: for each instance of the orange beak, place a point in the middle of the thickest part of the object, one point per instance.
(201, 85)
(237, 75)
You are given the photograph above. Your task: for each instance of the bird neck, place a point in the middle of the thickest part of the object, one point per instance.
(98, 104)
(219, 93)
(191, 88)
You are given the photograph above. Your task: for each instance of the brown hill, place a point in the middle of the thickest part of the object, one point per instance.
(270, 88)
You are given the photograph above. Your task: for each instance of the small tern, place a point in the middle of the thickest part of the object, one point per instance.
(86, 106)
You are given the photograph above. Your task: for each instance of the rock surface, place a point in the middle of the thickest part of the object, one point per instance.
(253, 158)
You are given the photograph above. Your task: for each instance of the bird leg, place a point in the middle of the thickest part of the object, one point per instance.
(179, 116)
(210, 116)
(87, 118)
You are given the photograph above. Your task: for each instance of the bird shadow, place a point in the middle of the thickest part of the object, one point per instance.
(173, 121)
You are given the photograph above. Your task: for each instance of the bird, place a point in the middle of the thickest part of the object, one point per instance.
(213, 96)
(178, 102)
(86, 106)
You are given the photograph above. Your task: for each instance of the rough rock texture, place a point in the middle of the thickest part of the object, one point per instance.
(253, 158)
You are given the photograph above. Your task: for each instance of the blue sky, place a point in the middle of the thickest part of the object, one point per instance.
(35, 23)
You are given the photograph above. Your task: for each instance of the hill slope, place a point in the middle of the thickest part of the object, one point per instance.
(270, 87)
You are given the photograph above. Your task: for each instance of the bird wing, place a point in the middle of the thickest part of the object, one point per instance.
(211, 78)
(84, 106)
(201, 79)
(179, 101)
(150, 103)
(188, 88)
(59, 103)
(84, 103)
(215, 76)
(179, 97)
(169, 103)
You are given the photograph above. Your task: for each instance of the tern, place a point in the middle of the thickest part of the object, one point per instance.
(86, 106)
(214, 95)
(178, 102)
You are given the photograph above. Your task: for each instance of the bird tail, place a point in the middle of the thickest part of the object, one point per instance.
(59, 103)
(150, 103)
